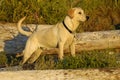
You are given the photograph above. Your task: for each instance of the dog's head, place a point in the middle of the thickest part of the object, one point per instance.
(77, 14)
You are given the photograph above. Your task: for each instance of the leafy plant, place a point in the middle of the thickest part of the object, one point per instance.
(46, 62)
(104, 14)
(3, 59)
(85, 59)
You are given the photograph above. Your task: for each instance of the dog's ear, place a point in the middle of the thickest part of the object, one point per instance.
(71, 13)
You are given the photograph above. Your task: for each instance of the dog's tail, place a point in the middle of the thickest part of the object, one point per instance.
(26, 33)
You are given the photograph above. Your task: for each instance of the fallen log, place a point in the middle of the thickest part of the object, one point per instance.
(75, 74)
(94, 40)
(12, 42)
(98, 40)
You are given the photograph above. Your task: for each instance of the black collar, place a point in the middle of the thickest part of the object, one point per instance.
(67, 27)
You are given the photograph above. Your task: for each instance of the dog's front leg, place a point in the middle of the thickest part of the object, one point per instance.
(72, 48)
(61, 46)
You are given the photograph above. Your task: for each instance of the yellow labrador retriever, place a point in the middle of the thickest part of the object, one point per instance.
(59, 36)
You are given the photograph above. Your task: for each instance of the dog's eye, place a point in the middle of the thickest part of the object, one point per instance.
(80, 13)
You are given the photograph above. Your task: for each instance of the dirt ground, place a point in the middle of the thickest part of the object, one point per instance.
(80, 74)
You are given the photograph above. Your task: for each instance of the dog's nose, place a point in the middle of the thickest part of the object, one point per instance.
(87, 17)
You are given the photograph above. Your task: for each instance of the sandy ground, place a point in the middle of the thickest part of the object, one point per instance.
(82, 74)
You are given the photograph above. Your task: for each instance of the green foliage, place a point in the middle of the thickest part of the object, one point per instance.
(3, 59)
(46, 62)
(8, 60)
(47, 11)
(91, 59)
(84, 59)
(104, 14)
(13, 60)
(54, 11)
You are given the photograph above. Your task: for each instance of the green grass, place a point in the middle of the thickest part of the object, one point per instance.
(3, 59)
(103, 14)
(8, 59)
(85, 59)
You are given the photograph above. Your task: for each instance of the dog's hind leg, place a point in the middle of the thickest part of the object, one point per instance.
(35, 56)
(30, 48)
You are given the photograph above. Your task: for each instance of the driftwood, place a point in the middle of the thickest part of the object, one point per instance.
(12, 42)
(69, 74)
(94, 40)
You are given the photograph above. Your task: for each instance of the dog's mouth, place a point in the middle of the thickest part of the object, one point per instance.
(86, 18)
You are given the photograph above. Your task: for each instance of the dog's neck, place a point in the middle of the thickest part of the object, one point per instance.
(71, 23)
(67, 28)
